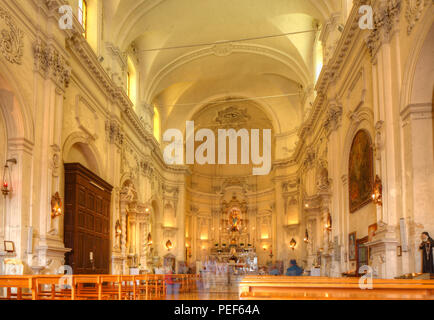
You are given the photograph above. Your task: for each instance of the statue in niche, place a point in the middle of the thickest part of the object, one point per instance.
(129, 193)
(322, 177)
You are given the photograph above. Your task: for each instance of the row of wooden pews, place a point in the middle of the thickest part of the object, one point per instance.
(93, 287)
(322, 288)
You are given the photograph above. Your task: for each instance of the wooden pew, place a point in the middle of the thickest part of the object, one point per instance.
(60, 287)
(142, 287)
(313, 288)
(111, 287)
(87, 287)
(93, 287)
(20, 283)
(128, 287)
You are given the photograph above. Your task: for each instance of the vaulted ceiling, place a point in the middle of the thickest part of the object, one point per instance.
(180, 81)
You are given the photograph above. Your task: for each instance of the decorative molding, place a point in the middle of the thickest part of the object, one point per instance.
(233, 116)
(226, 49)
(333, 118)
(379, 139)
(386, 18)
(11, 42)
(309, 158)
(418, 111)
(114, 133)
(413, 12)
(51, 64)
(223, 49)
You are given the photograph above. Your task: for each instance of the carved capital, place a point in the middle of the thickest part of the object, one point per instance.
(114, 133)
(386, 19)
(51, 64)
(413, 12)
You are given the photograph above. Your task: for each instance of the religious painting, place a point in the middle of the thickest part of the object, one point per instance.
(352, 247)
(371, 231)
(235, 219)
(361, 171)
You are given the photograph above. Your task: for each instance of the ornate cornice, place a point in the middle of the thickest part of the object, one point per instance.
(328, 75)
(11, 41)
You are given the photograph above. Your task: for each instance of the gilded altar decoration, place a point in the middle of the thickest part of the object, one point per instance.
(56, 206)
(361, 171)
(235, 219)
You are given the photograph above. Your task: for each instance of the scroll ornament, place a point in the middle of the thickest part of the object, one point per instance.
(11, 41)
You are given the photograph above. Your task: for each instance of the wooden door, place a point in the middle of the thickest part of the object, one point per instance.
(87, 220)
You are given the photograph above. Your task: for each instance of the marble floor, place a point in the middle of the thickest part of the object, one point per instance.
(203, 295)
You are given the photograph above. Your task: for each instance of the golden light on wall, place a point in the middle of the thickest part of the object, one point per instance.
(306, 237)
(118, 229)
(149, 239)
(292, 244)
(56, 206)
(157, 125)
(377, 193)
(328, 224)
(169, 245)
(132, 82)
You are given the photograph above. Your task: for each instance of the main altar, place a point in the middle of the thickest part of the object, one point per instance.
(234, 256)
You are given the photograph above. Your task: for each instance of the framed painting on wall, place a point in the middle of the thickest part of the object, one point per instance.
(360, 171)
(352, 247)
(9, 246)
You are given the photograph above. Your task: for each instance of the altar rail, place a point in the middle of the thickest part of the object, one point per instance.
(94, 287)
(322, 288)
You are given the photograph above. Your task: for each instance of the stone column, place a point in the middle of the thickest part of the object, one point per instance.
(383, 45)
(52, 73)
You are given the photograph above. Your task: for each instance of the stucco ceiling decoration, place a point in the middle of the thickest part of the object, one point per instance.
(231, 115)
(295, 64)
(223, 50)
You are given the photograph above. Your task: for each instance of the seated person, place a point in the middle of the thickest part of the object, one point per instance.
(294, 270)
(274, 271)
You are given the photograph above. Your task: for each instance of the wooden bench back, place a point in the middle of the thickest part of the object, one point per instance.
(276, 287)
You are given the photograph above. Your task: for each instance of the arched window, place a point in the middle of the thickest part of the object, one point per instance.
(82, 15)
(318, 59)
(157, 124)
(132, 81)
